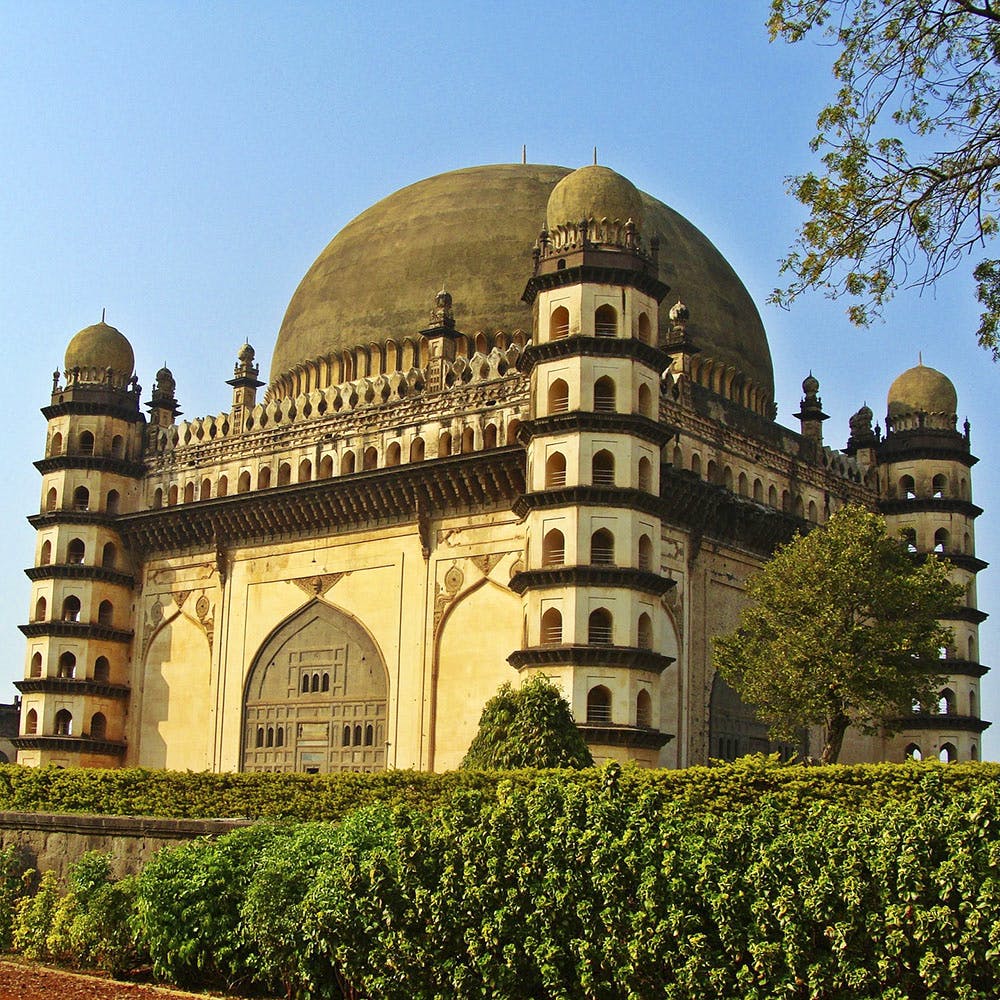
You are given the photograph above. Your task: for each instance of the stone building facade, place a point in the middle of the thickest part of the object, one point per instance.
(566, 463)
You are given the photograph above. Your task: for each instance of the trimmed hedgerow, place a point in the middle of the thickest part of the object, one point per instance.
(713, 790)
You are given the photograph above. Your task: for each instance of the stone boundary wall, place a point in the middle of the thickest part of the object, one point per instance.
(53, 841)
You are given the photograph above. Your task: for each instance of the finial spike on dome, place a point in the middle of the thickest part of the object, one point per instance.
(920, 357)
(524, 153)
(103, 310)
(595, 156)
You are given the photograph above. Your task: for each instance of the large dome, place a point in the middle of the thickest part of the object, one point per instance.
(472, 231)
(100, 347)
(922, 390)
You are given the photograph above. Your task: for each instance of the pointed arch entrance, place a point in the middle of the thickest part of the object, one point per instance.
(316, 697)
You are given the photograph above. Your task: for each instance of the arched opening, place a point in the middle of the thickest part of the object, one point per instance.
(51, 499)
(172, 496)
(71, 609)
(243, 484)
(727, 478)
(75, 551)
(106, 614)
(941, 540)
(553, 548)
(315, 682)
(743, 485)
(555, 470)
(811, 512)
(56, 444)
(45, 556)
(326, 467)
(678, 459)
(797, 506)
(645, 475)
(347, 463)
(35, 669)
(259, 742)
(644, 710)
(324, 684)
(605, 395)
(974, 752)
(86, 443)
(758, 491)
(909, 536)
(645, 553)
(605, 321)
(417, 450)
(369, 734)
(114, 499)
(946, 702)
(912, 752)
(939, 485)
(948, 754)
(31, 723)
(305, 471)
(279, 736)
(392, 454)
(602, 469)
(973, 704)
(551, 630)
(468, 440)
(284, 474)
(305, 684)
(222, 487)
(269, 741)
(81, 498)
(102, 669)
(772, 496)
(558, 401)
(602, 548)
(369, 460)
(599, 705)
(600, 627)
(444, 444)
(189, 493)
(907, 488)
(645, 329)
(118, 446)
(109, 555)
(490, 436)
(41, 607)
(98, 726)
(559, 323)
(205, 493)
(357, 736)
(512, 430)
(64, 723)
(264, 478)
(644, 632)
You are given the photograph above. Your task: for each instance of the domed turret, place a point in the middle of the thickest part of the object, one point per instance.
(922, 390)
(594, 192)
(99, 347)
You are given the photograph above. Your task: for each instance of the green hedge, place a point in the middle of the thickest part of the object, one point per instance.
(137, 792)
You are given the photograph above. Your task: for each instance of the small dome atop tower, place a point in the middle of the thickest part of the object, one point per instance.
(922, 390)
(594, 192)
(100, 347)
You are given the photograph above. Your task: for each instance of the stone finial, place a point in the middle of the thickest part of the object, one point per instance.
(862, 435)
(810, 385)
(166, 385)
(442, 314)
(679, 314)
(245, 367)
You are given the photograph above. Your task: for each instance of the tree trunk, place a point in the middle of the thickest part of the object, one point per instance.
(836, 726)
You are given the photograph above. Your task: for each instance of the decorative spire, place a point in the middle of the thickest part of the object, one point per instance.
(442, 315)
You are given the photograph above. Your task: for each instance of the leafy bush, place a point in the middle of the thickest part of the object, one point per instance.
(33, 916)
(11, 888)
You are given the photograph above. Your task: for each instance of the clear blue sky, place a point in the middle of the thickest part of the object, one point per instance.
(183, 164)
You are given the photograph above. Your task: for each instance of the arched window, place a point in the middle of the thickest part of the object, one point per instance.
(45, 556)
(600, 627)
(644, 710)
(599, 704)
(512, 430)
(64, 723)
(551, 631)
(727, 478)
(939, 485)
(972, 650)
(158, 498)
(948, 754)
(645, 474)
(86, 443)
(369, 735)
(189, 493)
(772, 496)
(696, 465)
(678, 459)
(98, 726)
(758, 491)
(946, 702)
(114, 499)
(645, 553)
(558, 397)
(81, 498)
(172, 495)
(555, 470)
(602, 548)
(645, 329)
(260, 737)
(602, 469)
(243, 483)
(315, 682)
(109, 555)
(797, 506)
(468, 441)
(712, 471)
(444, 444)
(41, 606)
(811, 513)
(357, 736)
(347, 463)
(284, 474)
(941, 540)
(75, 551)
(118, 446)
(490, 436)
(345, 738)
(417, 450)
(270, 737)
(102, 669)
(206, 490)
(606, 321)
(743, 485)
(605, 395)
(264, 478)
(559, 323)
(51, 499)
(305, 471)
(392, 454)
(553, 548)
(912, 752)
(35, 670)
(31, 723)
(305, 683)
(71, 609)
(106, 614)
(644, 632)
(279, 736)
(56, 444)
(325, 683)
(370, 460)
(909, 536)
(907, 488)
(326, 467)
(974, 752)
(973, 704)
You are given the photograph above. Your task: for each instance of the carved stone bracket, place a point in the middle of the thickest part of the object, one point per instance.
(317, 586)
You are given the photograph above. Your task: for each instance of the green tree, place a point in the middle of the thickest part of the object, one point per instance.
(529, 726)
(841, 629)
(910, 147)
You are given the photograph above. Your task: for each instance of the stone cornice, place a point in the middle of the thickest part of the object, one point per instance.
(598, 347)
(70, 744)
(633, 424)
(930, 505)
(92, 463)
(78, 571)
(591, 576)
(623, 736)
(588, 496)
(927, 720)
(627, 657)
(76, 630)
(71, 685)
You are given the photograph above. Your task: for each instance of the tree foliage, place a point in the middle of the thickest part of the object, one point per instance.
(529, 726)
(910, 147)
(842, 629)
